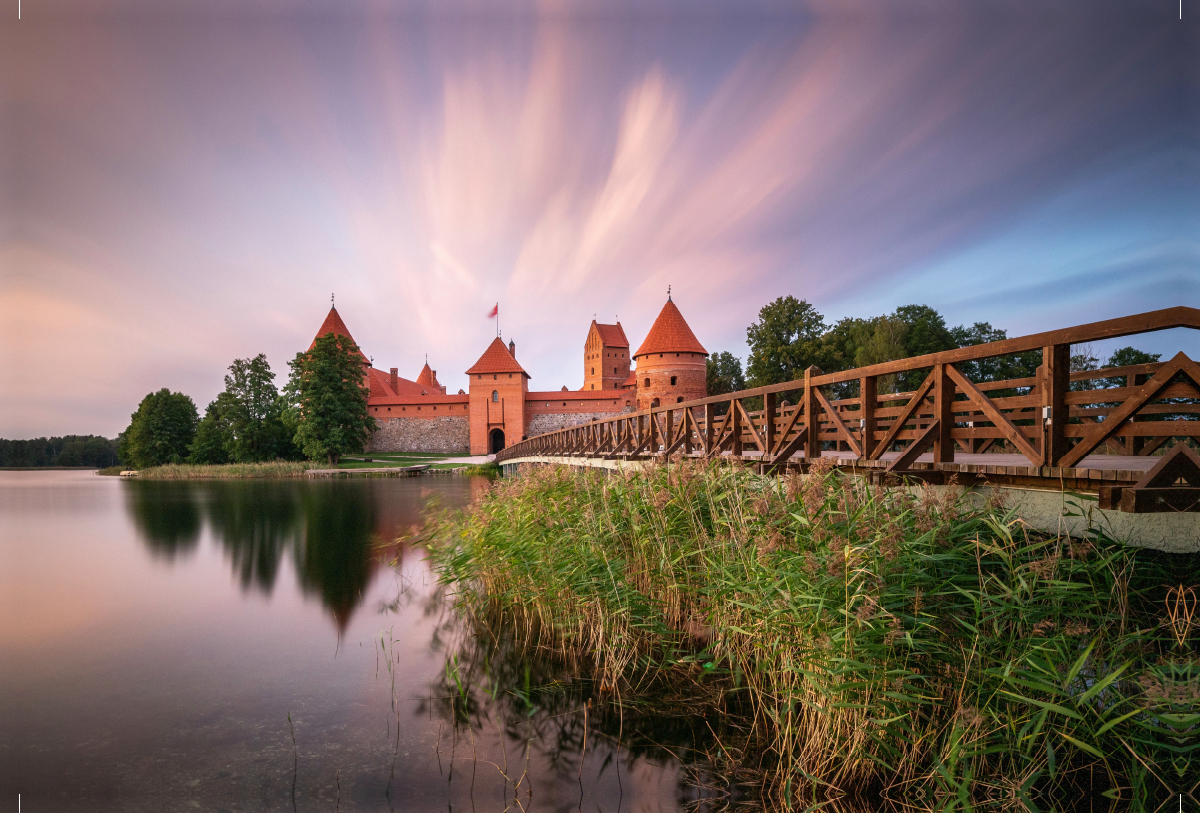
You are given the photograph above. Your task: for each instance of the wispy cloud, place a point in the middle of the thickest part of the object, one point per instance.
(189, 192)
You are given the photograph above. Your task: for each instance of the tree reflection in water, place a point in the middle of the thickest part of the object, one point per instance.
(331, 528)
(167, 516)
(255, 522)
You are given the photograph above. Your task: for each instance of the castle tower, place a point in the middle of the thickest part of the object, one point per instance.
(605, 357)
(333, 324)
(670, 362)
(498, 390)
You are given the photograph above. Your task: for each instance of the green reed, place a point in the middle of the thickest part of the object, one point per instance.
(228, 471)
(920, 643)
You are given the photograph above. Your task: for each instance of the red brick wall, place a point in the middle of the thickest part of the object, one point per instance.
(688, 369)
(604, 368)
(507, 413)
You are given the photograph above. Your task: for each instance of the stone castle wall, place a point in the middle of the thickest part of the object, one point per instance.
(442, 435)
(552, 422)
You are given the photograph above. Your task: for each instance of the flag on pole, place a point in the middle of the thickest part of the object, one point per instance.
(494, 312)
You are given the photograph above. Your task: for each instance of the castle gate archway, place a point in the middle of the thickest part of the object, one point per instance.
(495, 441)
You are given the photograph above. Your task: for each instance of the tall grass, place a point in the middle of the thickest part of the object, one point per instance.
(228, 471)
(918, 646)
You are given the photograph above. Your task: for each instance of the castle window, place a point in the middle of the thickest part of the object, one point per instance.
(672, 381)
(654, 403)
(647, 383)
(679, 400)
(389, 409)
(593, 373)
(481, 377)
(593, 386)
(614, 370)
(510, 375)
(494, 377)
(495, 397)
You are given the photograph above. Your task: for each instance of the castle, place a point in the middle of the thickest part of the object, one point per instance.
(499, 408)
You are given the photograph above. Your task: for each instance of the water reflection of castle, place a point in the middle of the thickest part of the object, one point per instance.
(332, 529)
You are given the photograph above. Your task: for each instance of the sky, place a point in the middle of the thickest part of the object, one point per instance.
(186, 183)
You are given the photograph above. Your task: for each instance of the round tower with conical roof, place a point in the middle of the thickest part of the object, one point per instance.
(670, 362)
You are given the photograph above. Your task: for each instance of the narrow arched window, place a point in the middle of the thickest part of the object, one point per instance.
(647, 383)
(495, 397)
(678, 400)
(593, 371)
(672, 381)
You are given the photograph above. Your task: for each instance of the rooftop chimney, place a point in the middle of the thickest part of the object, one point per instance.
(512, 348)
(394, 376)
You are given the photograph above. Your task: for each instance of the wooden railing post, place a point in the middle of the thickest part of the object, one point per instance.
(1055, 381)
(868, 391)
(669, 435)
(735, 417)
(768, 434)
(708, 428)
(812, 445)
(943, 413)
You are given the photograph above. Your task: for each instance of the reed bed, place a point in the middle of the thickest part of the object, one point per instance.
(229, 471)
(915, 646)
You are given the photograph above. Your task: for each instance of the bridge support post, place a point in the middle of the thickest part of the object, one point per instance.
(868, 392)
(768, 434)
(1054, 380)
(812, 445)
(943, 413)
(735, 415)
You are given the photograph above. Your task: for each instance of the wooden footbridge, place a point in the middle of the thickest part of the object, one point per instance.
(1124, 432)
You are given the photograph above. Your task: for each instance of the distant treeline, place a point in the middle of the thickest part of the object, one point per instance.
(88, 451)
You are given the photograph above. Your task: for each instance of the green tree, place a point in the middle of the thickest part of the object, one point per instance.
(723, 373)
(784, 342)
(879, 340)
(925, 332)
(326, 398)
(213, 436)
(1128, 357)
(254, 412)
(1001, 368)
(160, 431)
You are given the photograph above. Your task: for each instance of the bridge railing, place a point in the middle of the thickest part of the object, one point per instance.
(1054, 418)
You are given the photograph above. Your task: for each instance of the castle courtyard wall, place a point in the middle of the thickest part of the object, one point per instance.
(442, 435)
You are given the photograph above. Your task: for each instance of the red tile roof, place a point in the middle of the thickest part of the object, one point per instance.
(333, 324)
(426, 377)
(613, 335)
(497, 359)
(381, 386)
(670, 334)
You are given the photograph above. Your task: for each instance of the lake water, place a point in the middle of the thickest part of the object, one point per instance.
(155, 637)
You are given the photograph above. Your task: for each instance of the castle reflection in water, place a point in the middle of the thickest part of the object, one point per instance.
(337, 532)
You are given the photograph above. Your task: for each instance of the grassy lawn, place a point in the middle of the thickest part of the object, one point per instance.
(378, 463)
